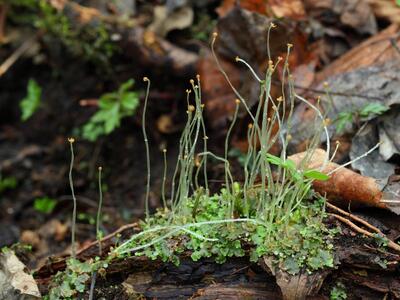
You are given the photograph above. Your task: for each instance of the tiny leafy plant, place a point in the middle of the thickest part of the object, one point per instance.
(31, 102)
(89, 41)
(70, 283)
(338, 292)
(273, 213)
(363, 113)
(7, 183)
(113, 107)
(44, 205)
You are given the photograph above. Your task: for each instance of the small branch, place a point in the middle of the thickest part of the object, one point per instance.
(108, 237)
(323, 92)
(17, 54)
(392, 245)
(355, 218)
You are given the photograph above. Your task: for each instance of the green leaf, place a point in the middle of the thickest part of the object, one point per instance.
(275, 160)
(7, 183)
(31, 102)
(126, 86)
(398, 2)
(291, 265)
(44, 205)
(130, 101)
(290, 165)
(372, 109)
(314, 174)
(112, 121)
(113, 107)
(342, 120)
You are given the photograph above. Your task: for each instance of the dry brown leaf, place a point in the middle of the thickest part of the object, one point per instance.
(375, 50)
(165, 124)
(258, 6)
(350, 13)
(165, 21)
(15, 282)
(385, 9)
(345, 187)
(218, 96)
(292, 9)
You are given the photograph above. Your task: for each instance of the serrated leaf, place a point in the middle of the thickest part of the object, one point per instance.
(373, 109)
(317, 175)
(130, 101)
(113, 120)
(342, 120)
(126, 86)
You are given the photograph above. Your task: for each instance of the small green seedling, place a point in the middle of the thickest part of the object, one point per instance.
(113, 107)
(360, 114)
(338, 292)
(72, 281)
(291, 167)
(31, 102)
(7, 183)
(45, 205)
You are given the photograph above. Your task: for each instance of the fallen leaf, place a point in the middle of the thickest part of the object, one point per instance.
(165, 124)
(374, 51)
(258, 6)
(351, 13)
(346, 187)
(291, 9)
(30, 237)
(387, 10)
(374, 165)
(165, 20)
(15, 283)
(218, 96)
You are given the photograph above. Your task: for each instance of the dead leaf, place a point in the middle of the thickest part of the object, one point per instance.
(350, 92)
(374, 51)
(218, 97)
(165, 20)
(353, 13)
(53, 229)
(374, 165)
(258, 6)
(30, 237)
(165, 124)
(388, 10)
(15, 283)
(345, 187)
(156, 52)
(291, 9)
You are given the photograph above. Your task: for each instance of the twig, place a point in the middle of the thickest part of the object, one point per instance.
(108, 237)
(392, 245)
(355, 218)
(323, 92)
(17, 54)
